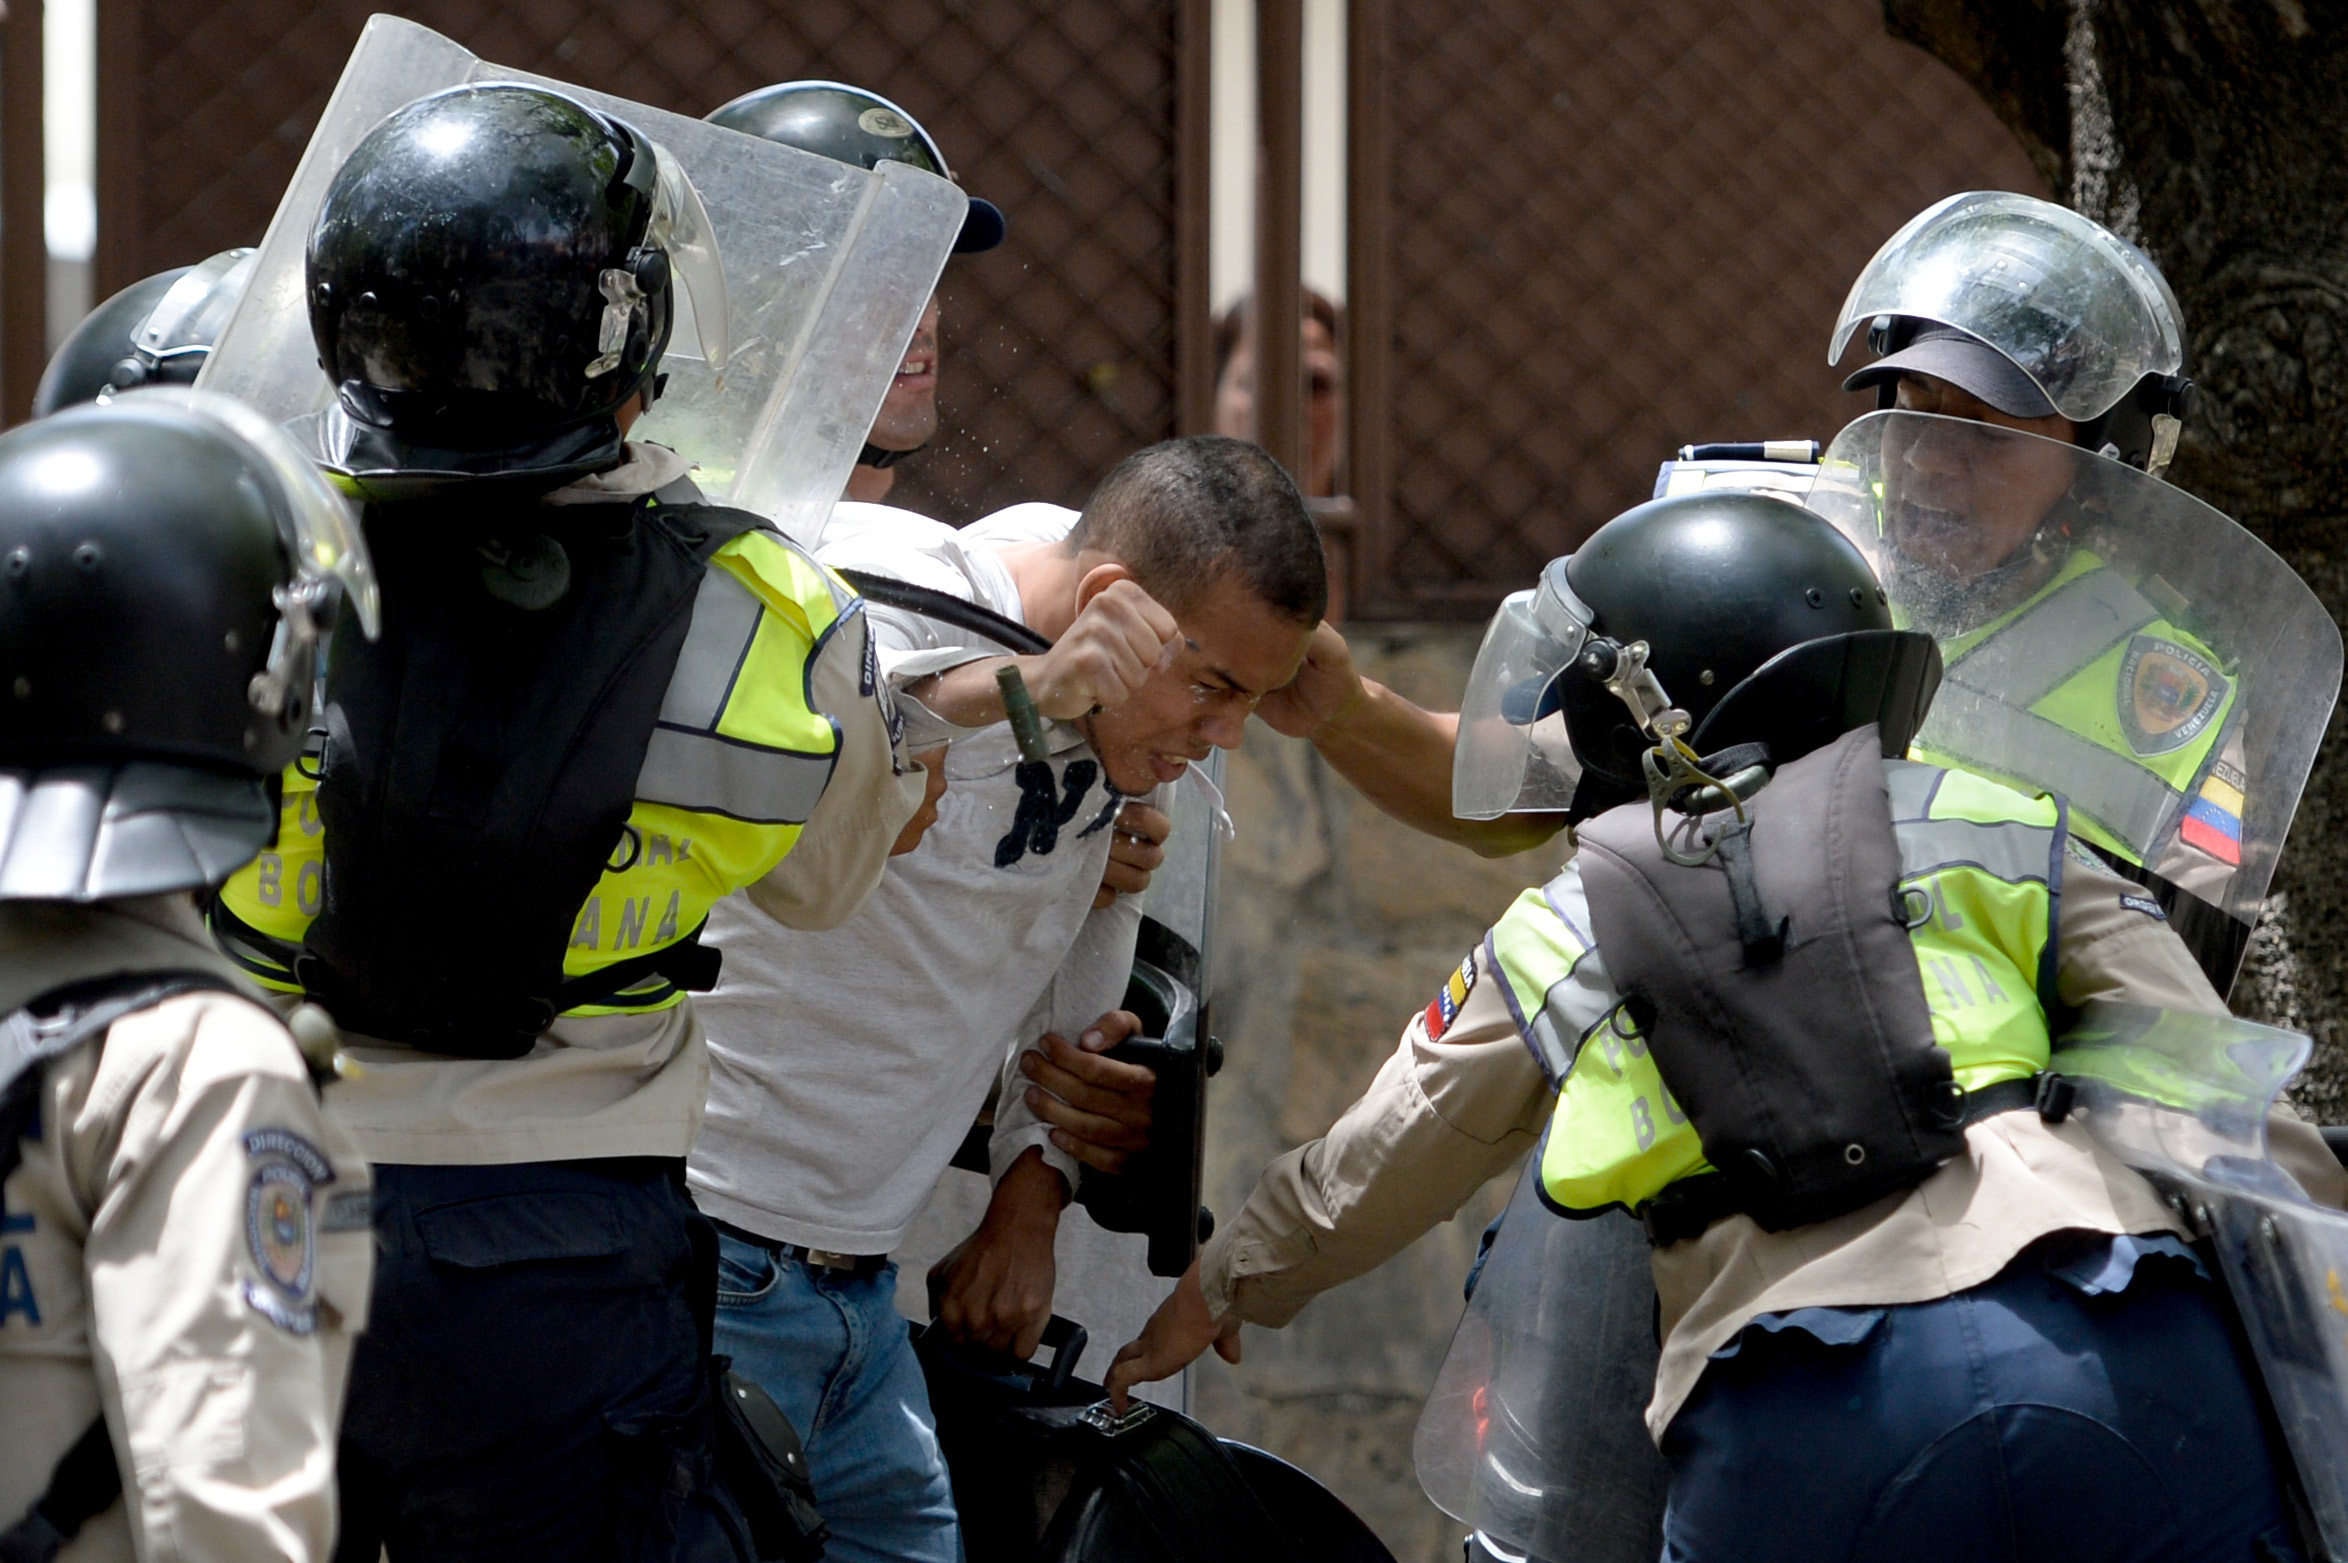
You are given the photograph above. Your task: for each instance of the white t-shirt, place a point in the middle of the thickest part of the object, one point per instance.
(847, 1065)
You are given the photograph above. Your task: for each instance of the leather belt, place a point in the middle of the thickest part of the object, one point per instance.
(1688, 1207)
(800, 1253)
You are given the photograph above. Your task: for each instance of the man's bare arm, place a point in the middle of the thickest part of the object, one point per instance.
(1396, 753)
(1117, 639)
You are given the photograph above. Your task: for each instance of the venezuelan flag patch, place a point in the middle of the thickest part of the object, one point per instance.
(1445, 1009)
(2213, 817)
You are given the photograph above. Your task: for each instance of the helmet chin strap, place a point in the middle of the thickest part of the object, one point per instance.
(873, 456)
(1676, 778)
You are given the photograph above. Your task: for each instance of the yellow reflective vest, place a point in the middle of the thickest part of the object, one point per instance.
(2116, 705)
(734, 769)
(1980, 881)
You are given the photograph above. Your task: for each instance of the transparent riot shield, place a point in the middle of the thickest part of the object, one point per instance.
(1535, 1434)
(2105, 636)
(1159, 1192)
(2184, 1100)
(827, 267)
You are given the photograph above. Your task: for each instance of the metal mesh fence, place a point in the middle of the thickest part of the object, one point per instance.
(1623, 225)
(1059, 346)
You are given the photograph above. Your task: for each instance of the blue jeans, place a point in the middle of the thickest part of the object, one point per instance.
(2087, 1405)
(833, 1352)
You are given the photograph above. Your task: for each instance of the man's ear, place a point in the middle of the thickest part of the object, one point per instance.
(1098, 578)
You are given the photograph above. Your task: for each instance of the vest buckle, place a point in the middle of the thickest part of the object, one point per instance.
(2056, 1093)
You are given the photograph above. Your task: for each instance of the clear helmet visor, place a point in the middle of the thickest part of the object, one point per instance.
(1513, 756)
(2080, 310)
(320, 527)
(681, 226)
(194, 310)
(2106, 637)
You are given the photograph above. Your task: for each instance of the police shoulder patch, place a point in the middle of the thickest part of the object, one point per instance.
(1448, 999)
(281, 1226)
(2168, 694)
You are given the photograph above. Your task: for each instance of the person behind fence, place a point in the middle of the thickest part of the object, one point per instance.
(835, 120)
(1323, 333)
(184, 1248)
(599, 706)
(849, 1064)
(1908, 1308)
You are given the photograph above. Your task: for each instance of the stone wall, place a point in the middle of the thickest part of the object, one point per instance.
(1334, 925)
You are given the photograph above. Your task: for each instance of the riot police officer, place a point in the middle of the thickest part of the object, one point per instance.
(599, 705)
(184, 1255)
(157, 331)
(2019, 315)
(835, 120)
(1792, 1004)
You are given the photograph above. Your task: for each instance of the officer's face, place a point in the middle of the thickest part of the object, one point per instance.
(1963, 504)
(1236, 650)
(909, 413)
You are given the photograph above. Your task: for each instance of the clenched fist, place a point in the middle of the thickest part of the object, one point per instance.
(1118, 639)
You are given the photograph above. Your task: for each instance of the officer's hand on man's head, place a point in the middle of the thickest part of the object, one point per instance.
(1324, 689)
(1118, 639)
(1136, 850)
(1099, 1109)
(934, 762)
(996, 1288)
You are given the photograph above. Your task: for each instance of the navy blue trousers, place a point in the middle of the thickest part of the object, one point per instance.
(2088, 1405)
(532, 1384)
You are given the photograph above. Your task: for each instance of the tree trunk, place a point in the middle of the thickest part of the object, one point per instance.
(2214, 133)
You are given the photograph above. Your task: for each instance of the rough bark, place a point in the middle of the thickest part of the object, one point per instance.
(2214, 133)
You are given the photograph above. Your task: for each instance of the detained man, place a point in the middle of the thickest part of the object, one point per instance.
(848, 1065)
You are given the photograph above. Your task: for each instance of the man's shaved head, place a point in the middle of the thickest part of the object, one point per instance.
(1183, 513)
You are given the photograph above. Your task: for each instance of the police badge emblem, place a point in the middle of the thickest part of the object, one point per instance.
(2168, 695)
(281, 1229)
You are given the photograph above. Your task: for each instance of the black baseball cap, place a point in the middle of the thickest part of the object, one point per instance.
(1964, 361)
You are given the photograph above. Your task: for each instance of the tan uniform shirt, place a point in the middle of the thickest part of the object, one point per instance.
(1445, 1116)
(184, 1249)
(635, 1084)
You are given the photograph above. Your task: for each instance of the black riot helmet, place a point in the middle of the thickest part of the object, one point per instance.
(83, 367)
(168, 566)
(1730, 619)
(490, 280)
(851, 125)
(157, 331)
